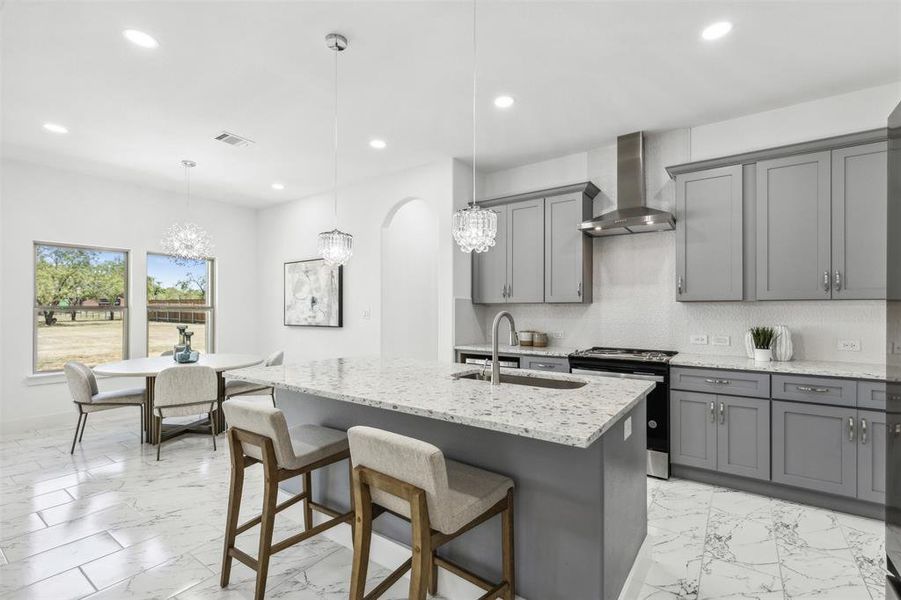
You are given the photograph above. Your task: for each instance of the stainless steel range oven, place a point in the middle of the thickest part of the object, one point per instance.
(652, 365)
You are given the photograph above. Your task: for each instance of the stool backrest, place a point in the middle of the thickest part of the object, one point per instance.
(191, 384)
(275, 359)
(81, 380)
(262, 420)
(404, 458)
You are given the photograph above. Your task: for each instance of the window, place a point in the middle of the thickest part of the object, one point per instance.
(179, 292)
(80, 307)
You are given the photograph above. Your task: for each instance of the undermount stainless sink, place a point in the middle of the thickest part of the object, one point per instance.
(557, 384)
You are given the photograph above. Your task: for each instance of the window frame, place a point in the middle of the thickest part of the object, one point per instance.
(209, 307)
(38, 308)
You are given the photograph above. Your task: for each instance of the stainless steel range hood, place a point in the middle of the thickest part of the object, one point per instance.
(630, 215)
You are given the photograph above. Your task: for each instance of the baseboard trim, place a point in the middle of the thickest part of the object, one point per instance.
(783, 492)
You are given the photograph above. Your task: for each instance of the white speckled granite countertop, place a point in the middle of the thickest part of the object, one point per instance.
(555, 351)
(792, 367)
(576, 417)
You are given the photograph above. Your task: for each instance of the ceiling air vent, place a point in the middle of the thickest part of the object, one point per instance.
(233, 140)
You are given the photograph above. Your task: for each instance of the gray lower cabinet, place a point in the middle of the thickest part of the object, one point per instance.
(871, 454)
(723, 433)
(794, 228)
(545, 363)
(709, 235)
(567, 251)
(489, 269)
(815, 447)
(859, 192)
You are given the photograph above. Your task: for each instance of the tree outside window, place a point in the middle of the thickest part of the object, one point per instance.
(178, 293)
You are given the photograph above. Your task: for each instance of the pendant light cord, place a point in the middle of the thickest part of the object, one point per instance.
(337, 51)
(474, 42)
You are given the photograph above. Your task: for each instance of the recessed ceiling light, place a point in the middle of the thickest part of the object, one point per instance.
(139, 38)
(278, 186)
(378, 144)
(503, 101)
(716, 30)
(55, 128)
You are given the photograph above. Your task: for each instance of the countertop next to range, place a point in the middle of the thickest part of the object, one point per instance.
(575, 417)
(819, 368)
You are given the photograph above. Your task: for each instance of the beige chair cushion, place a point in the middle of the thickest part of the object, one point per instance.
(235, 387)
(185, 390)
(295, 448)
(456, 493)
(127, 396)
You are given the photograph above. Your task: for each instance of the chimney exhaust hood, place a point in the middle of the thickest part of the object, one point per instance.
(630, 215)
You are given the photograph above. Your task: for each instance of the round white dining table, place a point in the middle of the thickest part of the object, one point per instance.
(149, 367)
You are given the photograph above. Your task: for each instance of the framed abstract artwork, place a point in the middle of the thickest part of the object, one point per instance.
(313, 294)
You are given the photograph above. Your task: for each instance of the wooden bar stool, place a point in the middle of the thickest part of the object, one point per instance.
(441, 498)
(260, 434)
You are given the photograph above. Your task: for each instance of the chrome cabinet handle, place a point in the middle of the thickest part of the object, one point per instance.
(719, 381)
(838, 281)
(826, 280)
(863, 431)
(580, 290)
(712, 411)
(850, 429)
(680, 284)
(807, 388)
(544, 366)
(722, 412)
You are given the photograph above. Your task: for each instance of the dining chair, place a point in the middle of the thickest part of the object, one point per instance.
(235, 387)
(88, 399)
(182, 391)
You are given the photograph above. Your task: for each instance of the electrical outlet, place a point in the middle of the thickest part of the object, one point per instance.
(849, 345)
(721, 340)
(559, 335)
(699, 339)
(366, 314)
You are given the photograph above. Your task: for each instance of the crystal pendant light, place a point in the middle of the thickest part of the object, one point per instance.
(187, 240)
(475, 228)
(336, 246)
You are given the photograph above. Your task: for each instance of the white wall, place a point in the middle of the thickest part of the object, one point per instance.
(288, 232)
(46, 204)
(633, 275)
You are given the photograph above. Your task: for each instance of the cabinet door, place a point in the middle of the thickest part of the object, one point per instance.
(567, 249)
(859, 202)
(815, 447)
(525, 251)
(743, 436)
(871, 435)
(709, 235)
(793, 228)
(693, 429)
(489, 269)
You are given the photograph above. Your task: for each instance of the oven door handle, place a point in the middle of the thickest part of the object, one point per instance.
(646, 377)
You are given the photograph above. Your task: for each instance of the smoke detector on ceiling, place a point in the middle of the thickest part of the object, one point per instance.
(233, 140)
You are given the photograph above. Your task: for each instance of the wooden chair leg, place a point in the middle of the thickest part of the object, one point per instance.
(236, 488)
(362, 537)
(83, 424)
(270, 499)
(422, 547)
(77, 428)
(433, 574)
(307, 509)
(508, 552)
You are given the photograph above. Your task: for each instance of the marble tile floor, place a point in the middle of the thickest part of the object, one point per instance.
(112, 523)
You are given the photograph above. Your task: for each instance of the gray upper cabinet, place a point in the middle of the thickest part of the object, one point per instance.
(871, 453)
(793, 228)
(567, 258)
(709, 235)
(859, 196)
(693, 423)
(525, 251)
(489, 269)
(743, 437)
(815, 447)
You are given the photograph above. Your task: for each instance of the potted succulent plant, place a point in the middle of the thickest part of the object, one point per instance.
(763, 337)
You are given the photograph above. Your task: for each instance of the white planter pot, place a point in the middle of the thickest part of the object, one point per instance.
(763, 355)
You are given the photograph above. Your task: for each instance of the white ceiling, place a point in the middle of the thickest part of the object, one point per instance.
(581, 73)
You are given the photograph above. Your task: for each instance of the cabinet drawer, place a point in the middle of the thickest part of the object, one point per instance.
(545, 363)
(821, 390)
(871, 395)
(730, 383)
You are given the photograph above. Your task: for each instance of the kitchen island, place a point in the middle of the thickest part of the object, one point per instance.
(577, 457)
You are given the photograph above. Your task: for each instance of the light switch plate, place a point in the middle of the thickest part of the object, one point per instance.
(366, 314)
(627, 429)
(559, 335)
(698, 339)
(849, 345)
(721, 340)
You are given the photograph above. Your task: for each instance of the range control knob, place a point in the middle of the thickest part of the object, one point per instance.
(652, 424)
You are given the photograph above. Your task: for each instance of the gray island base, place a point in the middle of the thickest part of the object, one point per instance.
(580, 512)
